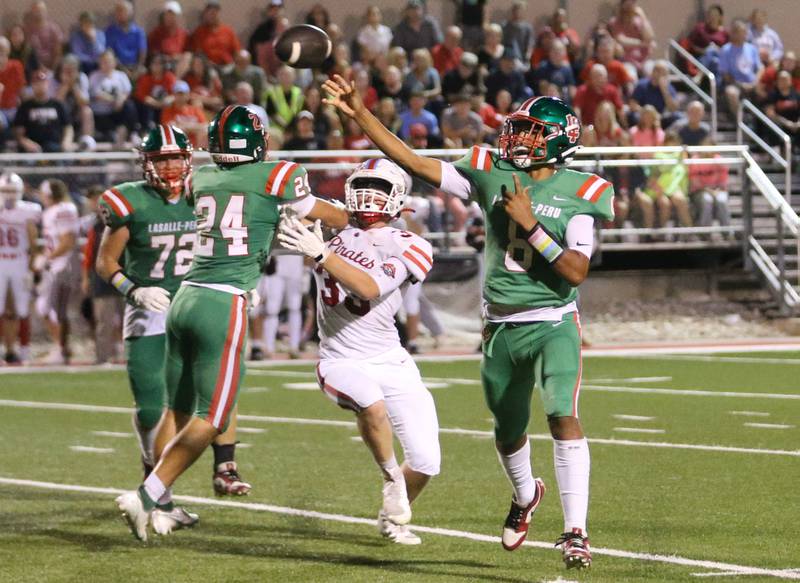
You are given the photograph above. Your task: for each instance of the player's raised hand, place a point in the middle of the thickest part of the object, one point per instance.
(518, 204)
(296, 236)
(343, 95)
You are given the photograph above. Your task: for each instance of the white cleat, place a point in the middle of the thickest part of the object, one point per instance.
(397, 533)
(166, 521)
(134, 514)
(395, 500)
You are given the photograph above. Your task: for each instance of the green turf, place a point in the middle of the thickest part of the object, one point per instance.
(737, 508)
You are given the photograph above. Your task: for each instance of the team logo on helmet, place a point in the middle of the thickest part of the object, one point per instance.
(257, 125)
(573, 129)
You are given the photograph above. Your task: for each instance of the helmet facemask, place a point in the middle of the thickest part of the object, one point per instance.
(370, 199)
(170, 179)
(523, 141)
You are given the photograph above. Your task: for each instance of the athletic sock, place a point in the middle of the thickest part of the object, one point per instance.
(391, 469)
(270, 332)
(518, 469)
(152, 489)
(165, 502)
(223, 453)
(572, 464)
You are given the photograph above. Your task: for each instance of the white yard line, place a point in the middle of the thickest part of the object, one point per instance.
(88, 449)
(343, 518)
(450, 430)
(731, 359)
(690, 392)
(112, 434)
(250, 430)
(750, 413)
(769, 425)
(301, 386)
(632, 417)
(255, 389)
(638, 430)
(632, 380)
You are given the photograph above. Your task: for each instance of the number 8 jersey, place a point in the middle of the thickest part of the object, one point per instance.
(162, 233)
(350, 327)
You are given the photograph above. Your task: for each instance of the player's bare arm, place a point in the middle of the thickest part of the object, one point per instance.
(66, 243)
(331, 215)
(111, 247)
(572, 265)
(346, 99)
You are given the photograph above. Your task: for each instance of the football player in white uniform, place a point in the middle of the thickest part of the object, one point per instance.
(283, 286)
(360, 275)
(61, 268)
(18, 220)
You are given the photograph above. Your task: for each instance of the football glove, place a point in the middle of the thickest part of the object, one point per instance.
(253, 298)
(154, 299)
(308, 241)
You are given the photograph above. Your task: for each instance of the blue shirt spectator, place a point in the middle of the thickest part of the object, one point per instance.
(126, 38)
(738, 60)
(764, 37)
(647, 92)
(87, 42)
(508, 78)
(416, 113)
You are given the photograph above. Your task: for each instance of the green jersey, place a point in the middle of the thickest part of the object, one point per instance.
(516, 275)
(162, 233)
(237, 211)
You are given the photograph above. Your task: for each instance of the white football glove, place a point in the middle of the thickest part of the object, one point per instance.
(154, 299)
(253, 298)
(308, 241)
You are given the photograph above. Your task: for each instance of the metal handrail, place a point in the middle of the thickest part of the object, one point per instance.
(784, 160)
(712, 80)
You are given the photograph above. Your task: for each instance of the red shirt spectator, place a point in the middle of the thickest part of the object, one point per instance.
(447, 55)
(633, 31)
(44, 35)
(617, 73)
(569, 36)
(707, 176)
(187, 116)
(215, 40)
(592, 93)
(12, 79)
(149, 84)
(710, 31)
(169, 38)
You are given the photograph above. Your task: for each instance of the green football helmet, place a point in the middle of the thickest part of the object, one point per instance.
(237, 136)
(544, 130)
(161, 145)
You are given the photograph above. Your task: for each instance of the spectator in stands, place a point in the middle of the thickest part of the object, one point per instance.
(243, 95)
(319, 16)
(763, 36)
(597, 89)
(466, 77)
(783, 106)
(416, 113)
(647, 131)
(769, 74)
(541, 48)
(618, 73)
(491, 119)
(569, 36)
(631, 28)
(393, 87)
(708, 188)
(386, 112)
(325, 119)
(170, 38)
(509, 78)
(260, 43)
(492, 49)
(708, 37)
(739, 66)
(461, 127)
(184, 114)
(109, 97)
(284, 100)
(44, 35)
(87, 42)
(127, 39)
(423, 76)
(556, 69)
(204, 84)
(354, 138)
(303, 136)
(517, 31)
(22, 51)
(417, 30)
(242, 69)
(330, 182)
(398, 57)
(503, 103)
(213, 38)
(12, 81)
(153, 92)
(70, 86)
(374, 38)
(667, 188)
(368, 93)
(42, 124)
(446, 55)
(693, 130)
(655, 90)
(472, 18)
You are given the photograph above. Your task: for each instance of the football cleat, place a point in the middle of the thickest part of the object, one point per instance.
(165, 521)
(134, 513)
(228, 482)
(395, 500)
(575, 549)
(519, 519)
(397, 533)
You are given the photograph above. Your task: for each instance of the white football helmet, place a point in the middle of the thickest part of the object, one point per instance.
(376, 191)
(11, 189)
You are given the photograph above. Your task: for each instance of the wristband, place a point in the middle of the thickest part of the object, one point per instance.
(545, 243)
(122, 284)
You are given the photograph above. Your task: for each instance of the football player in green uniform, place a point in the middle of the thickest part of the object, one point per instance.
(237, 204)
(539, 236)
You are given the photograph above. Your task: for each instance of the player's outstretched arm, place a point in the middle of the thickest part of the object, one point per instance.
(345, 98)
(331, 215)
(572, 265)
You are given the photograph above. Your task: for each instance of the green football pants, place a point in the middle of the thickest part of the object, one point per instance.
(145, 366)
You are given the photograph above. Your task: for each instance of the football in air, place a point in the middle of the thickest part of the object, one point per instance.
(303, 46)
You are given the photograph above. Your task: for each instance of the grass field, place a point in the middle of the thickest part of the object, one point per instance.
(695, 465)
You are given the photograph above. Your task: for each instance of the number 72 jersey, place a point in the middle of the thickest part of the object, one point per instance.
(162, 233)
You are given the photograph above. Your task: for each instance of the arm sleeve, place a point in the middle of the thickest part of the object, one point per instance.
(580, 234)
(303, 205)
(454, 183)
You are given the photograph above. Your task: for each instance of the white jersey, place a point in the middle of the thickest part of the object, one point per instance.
(350, 327)
(58, 220)
(14, 241)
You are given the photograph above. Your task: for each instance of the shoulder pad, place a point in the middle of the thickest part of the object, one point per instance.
(117, 202)
(592, 188)
(415, 252)
(278, 178)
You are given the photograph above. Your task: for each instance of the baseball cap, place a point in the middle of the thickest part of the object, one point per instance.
(305, 114)
(180, 86)
(173, 7)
